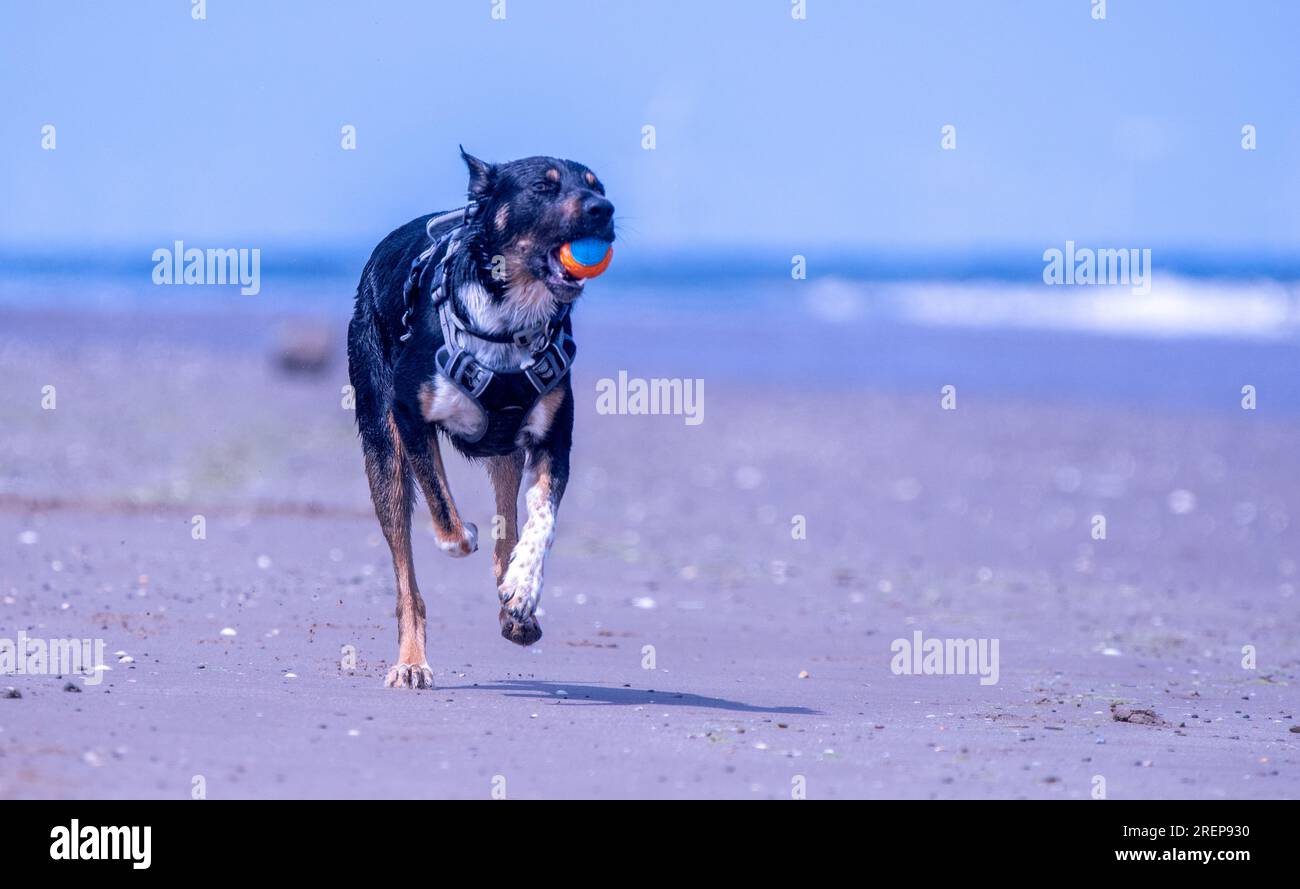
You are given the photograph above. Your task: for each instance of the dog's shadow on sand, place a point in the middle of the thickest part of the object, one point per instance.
(597, 695)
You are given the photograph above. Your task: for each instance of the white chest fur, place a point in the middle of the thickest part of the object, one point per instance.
(527, 306)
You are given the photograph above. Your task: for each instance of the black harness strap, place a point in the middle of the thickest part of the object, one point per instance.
(428, 276)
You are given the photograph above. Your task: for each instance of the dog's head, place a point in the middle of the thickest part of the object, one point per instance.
(529, 208)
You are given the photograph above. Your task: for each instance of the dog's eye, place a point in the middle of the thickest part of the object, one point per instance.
(546, 186)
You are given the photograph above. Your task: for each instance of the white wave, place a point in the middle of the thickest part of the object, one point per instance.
(1174, 307)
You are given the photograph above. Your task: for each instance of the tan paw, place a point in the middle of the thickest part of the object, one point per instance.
(409, 676)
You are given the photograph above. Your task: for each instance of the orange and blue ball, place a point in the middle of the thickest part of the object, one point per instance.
(586, 257)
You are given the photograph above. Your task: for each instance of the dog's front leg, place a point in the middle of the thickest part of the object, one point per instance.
(521, 589)
(388, 470)
(455, 537)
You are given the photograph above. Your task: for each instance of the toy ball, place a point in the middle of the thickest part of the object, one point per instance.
(586, 257)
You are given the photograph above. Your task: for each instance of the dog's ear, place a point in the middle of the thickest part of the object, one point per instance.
(482, 175)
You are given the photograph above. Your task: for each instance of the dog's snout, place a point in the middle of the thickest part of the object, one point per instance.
(599, 209)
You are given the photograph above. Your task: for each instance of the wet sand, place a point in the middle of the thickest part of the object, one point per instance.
(971, 523)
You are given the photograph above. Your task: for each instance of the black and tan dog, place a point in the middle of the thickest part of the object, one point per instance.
(462, 329)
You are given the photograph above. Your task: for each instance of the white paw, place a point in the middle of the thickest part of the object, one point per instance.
(462, 547)
(409, 676)
(521, 590)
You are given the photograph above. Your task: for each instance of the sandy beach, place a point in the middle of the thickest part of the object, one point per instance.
(771, 654)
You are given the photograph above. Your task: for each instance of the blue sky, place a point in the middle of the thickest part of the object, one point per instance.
(770, 131)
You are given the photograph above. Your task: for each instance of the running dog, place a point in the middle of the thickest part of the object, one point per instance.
(462, 330)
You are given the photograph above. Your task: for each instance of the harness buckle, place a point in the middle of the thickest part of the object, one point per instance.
(468, 375)
(531, 338)
(547, 369)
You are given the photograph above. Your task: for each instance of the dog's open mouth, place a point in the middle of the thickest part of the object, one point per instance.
(564, 285)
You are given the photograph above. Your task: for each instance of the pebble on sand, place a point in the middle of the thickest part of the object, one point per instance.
(804, 674)
(1135, 715)
(228, 631)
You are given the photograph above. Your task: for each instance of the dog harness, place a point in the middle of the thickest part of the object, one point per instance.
(505, 397)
